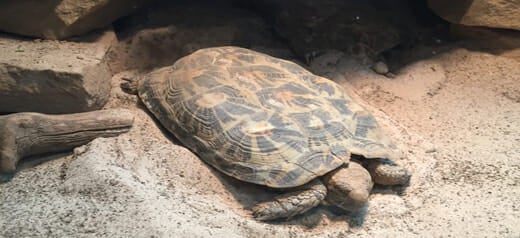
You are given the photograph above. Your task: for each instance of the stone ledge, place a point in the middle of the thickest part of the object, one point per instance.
(54, 77)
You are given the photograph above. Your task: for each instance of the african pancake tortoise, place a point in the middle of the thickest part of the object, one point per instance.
(269, 121)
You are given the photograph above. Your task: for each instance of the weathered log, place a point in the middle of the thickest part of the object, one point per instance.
(26, 134)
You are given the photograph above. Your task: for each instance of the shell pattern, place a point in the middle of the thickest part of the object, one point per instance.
(261, 119)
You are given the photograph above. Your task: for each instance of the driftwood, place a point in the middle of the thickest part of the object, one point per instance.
(26, 134)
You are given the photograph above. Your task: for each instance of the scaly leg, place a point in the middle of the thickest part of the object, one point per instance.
(292, 203)
(386, 172)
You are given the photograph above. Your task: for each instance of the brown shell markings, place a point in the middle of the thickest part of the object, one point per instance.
(261, 119)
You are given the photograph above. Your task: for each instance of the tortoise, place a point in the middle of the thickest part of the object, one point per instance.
(270, 122)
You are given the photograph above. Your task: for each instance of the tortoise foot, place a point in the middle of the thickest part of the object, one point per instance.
(386, 172)
(292, 203)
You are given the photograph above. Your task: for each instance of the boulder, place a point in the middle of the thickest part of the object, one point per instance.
(361, 29)
(158, 35)
(54, 77)
(59, 19)
(488, 13)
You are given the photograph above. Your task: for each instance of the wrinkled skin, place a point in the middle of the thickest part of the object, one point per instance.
(347, 187)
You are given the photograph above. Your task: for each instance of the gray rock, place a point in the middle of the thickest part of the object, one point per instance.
(54, 77)
(380, 67)
(59, 19)
(488, 13)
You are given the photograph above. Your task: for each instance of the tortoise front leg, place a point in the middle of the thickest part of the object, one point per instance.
(386, 172)
(292, 203)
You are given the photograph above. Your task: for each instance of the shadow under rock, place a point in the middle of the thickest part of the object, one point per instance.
(31, 162)
(89, 37)
(161, 34)
(13, 36)
(158, 124)
(487, 40)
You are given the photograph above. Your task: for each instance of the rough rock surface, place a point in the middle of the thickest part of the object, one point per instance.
(58, 19)
(497, 41)
(54, 77)
(169, 30)
(360, 28)
(488, 13)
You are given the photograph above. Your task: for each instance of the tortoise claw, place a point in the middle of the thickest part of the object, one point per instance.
(267, 211)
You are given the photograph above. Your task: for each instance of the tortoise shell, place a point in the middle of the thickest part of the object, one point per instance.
(261, 119)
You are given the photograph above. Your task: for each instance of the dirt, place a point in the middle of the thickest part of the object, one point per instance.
(455, 115)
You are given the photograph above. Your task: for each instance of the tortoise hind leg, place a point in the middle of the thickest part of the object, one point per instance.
(386, 172)
(292, 203)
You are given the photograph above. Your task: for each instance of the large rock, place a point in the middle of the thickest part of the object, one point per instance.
(58, 19)
(158, 35)
(488, 13)
(54, 77)
(359, 28)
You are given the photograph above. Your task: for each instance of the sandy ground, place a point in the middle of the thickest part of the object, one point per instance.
(455, 115)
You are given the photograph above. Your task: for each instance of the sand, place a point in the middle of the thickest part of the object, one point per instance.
(455, 115)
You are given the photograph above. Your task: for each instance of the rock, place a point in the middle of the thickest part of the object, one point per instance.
(27, 133)
(325, 63)
(59, 19)
(496, 41)
(54, 77)
(380, 67)
(488, 13)
(362, 29)
(164, 32)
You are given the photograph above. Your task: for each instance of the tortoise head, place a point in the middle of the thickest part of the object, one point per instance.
(348, 187)
(130, 85)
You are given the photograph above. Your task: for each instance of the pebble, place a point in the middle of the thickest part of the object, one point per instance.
(380, 67)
